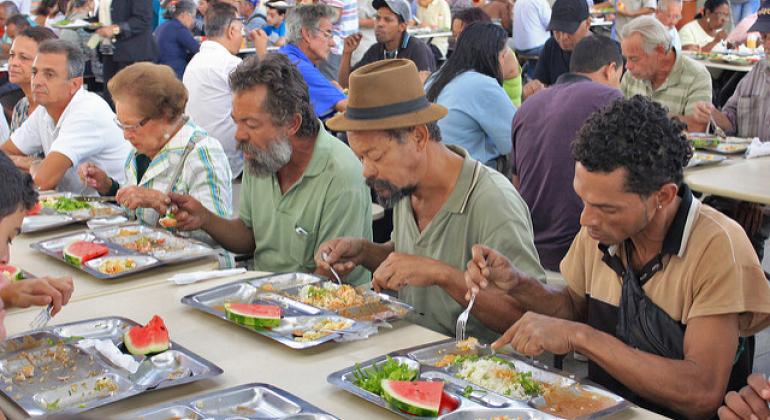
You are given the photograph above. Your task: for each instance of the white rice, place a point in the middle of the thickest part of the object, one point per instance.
(494, 376)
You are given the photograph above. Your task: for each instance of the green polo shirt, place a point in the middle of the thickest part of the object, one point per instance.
(490, 213)
(330, 200)
(688, 83)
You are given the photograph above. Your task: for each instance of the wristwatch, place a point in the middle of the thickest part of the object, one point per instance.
(116, 30)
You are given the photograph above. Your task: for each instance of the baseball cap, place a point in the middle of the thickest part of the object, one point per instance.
(566, 15)
(763, 18)
(399, 7)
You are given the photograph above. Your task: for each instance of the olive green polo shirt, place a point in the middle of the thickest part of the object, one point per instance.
(330, 200)
(490, 213)
(688, 83)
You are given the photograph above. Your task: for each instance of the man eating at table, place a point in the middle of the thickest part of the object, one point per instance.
(17, 196)
(745, 115)
(662, 290)
(301, 186)
(660, 72)
(443, 202)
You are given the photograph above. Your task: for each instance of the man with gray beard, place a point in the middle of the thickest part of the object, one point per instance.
(301, 186)
(443, 203)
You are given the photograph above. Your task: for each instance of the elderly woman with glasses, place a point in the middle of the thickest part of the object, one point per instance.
(149, 105)
(707, 30)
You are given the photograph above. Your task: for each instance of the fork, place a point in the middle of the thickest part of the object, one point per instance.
(42, 318)
(462, 320)
(325, 256)
(717, 129)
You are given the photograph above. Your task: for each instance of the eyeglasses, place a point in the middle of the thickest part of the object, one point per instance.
(132, 127)
(327, 33)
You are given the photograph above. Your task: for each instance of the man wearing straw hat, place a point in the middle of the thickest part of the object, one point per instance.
(443, 202)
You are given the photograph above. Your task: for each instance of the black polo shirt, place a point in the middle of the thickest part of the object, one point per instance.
(411, 49)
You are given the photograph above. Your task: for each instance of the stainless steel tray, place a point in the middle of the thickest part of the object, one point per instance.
(473, 397)
(44, 372)
(250, 401)
(49, 218)
(183, 249)
(272, 289)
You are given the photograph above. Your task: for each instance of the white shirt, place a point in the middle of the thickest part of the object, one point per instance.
(530, 20)
(676, 42)
(25, 6)
(86, 132)
(211, 101)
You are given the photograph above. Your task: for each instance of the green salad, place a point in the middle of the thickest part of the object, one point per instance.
(371, 378)
(64, 204)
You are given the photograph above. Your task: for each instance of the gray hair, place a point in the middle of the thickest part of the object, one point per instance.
(176, 8)
(76, 60)
(10, 8)
(307, 17)
(218, 19)
(652, 31)
(663, 4)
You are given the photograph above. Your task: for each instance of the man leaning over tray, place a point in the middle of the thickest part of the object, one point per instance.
(301, 185)
(443, 202)
(17, 196)
(662, 291)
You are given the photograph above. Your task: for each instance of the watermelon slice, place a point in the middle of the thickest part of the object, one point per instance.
(419, 398)
(255, 316)
(78, 252)
(152, 338)
(12, 273)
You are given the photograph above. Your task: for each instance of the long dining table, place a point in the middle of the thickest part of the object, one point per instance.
(737, 178)
(244, 356)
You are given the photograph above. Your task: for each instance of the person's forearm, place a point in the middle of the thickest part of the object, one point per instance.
(532, 295)
(232, 234)
(709, 46)
(366, 23)
(374, 254)
(344, 73)
(673, 383)
(693, 125)
(722, 121)
(497, 312)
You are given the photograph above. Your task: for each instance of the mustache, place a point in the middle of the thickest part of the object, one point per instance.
(394, 193)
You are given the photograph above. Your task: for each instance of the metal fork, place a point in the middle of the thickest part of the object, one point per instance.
(462, 320)
(42, 318)
(325, 256)
(717, 129)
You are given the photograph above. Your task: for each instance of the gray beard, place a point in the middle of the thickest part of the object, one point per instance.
(265, 163)
(395, 194)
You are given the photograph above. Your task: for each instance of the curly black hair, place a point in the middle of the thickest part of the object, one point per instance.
(18, 190)
(638, 135)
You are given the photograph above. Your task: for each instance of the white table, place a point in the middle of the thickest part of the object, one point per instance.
(252, 50)
(720, 66)
(428, 35)
(245, 356)
(737, 178)
(86, 286)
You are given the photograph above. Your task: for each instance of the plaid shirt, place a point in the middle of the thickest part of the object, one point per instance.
(205, 176)
(749, 107)
(687, 84)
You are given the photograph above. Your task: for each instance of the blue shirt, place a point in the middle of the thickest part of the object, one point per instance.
(176, 45)
(479, 117)
(274, 33)
(323, 95)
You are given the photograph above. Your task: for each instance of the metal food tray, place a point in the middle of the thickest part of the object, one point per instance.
(192, 250)
(478, 403)
(49, 218)
(705, 159)
(270, 290)
(70, 374)
(250, 401)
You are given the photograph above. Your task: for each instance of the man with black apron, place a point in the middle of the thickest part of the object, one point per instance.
(662, 292)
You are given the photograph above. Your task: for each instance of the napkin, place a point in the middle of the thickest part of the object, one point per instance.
(362, 332)
(109, 350)
(758, 148)
(196, 276)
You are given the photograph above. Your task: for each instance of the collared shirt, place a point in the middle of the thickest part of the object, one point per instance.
(542, 159)
(631, 6)
(676, 42)
(709, 268)
(437, 14)
(210, 99)
(86, 132)
(687, 84)
(479, 115)
(205, 174)
(324, 96)
(20, 113)
(411, 48)
(749, 107)
(329, 201)
(530, 23)
(488, 211)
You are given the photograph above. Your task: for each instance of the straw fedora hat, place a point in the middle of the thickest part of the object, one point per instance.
(385, 95)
